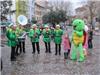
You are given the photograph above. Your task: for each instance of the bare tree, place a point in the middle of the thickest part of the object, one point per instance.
(61, 5)
(91, 7)
(5, 8)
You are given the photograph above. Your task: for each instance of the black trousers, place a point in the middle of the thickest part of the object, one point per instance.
(1, 65)
(20, 45)
(37, 45)
(90, 45)
(23, 46)
(57, 49)
(13, 53)
(66, 54)
(48, 47)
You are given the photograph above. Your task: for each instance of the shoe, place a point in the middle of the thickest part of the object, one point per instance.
(59, 53)
(55, 53)
(13, 59)
(45, 51)
(38, 52)
(24, 52)
(17, 54)
(49, 51)
(33, 52)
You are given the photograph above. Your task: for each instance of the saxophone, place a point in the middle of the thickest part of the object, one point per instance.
(34, 35)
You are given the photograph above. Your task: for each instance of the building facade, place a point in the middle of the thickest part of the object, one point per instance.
(41, 8)
(31, 9)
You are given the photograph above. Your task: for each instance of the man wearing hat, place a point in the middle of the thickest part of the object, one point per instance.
(58, 39)
(12, 41)
(34, 34)
(46, 38)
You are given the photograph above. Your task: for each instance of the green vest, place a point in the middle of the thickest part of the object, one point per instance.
(11, 38)
(58, 36)
(46, 35)
(8, 31)
(34, 35)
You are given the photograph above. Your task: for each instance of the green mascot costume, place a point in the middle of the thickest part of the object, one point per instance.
(77, 40)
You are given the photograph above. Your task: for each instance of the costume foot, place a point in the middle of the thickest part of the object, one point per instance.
(80, 60)
(73, 59)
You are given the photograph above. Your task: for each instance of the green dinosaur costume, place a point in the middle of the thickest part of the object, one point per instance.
(77, 40)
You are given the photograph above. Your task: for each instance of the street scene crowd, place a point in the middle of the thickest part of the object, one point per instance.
(16, 39)
(51, 40)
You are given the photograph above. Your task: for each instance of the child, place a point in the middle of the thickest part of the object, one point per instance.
(66, 46)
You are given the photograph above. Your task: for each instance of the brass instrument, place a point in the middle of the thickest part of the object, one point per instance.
(23, 36)
(34, 35)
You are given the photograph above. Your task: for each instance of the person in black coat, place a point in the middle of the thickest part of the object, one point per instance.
(90, 37)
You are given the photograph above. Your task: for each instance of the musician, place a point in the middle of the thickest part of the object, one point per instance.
(46, 38)
(34, 34)
(21, 40)
(12, 41)
(58, 32)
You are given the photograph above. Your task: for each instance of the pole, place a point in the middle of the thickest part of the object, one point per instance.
(17, 10)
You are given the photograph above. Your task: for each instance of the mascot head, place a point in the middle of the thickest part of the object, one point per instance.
(78, 24)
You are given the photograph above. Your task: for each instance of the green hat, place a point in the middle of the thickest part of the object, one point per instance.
(46, 26)
(33, 25)
(58, 25)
